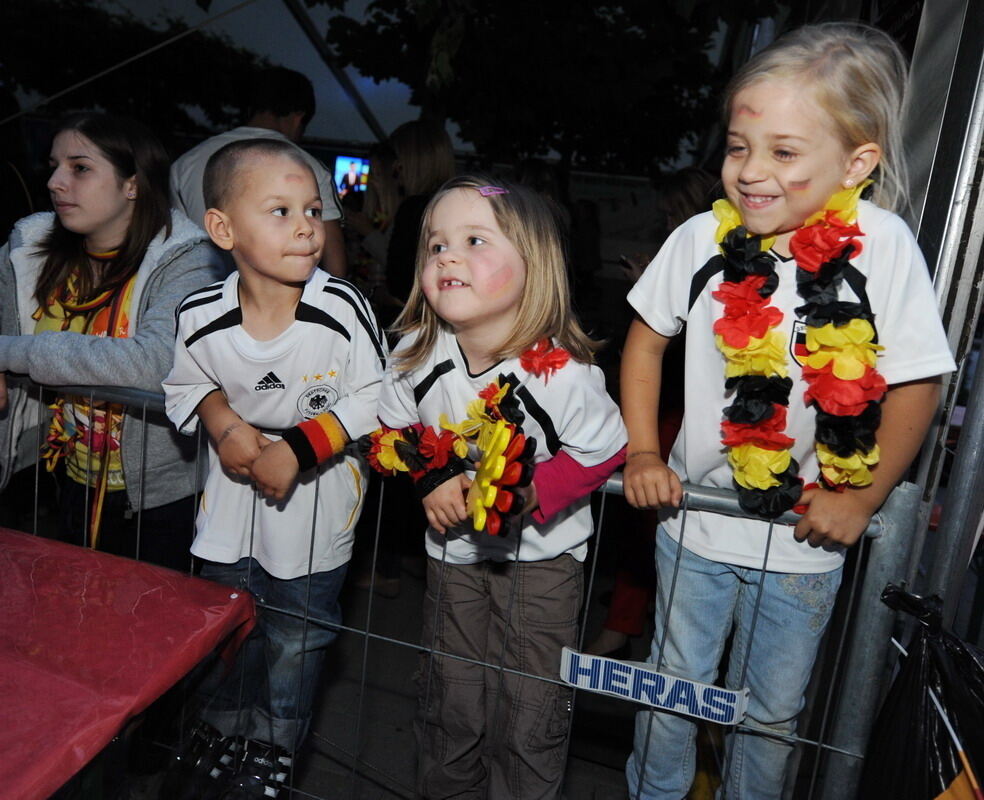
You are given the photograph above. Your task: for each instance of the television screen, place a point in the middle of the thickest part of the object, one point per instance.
(351, 174)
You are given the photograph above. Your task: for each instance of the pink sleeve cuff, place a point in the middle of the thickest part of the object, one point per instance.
(561, 481)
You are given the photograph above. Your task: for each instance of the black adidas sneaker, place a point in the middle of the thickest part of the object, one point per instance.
(264, 771)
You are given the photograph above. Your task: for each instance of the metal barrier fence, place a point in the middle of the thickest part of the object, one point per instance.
(363, 729)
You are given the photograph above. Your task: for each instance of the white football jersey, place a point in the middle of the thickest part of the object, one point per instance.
(330, 359)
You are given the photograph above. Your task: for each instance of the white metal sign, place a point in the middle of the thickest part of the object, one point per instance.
(641, 683)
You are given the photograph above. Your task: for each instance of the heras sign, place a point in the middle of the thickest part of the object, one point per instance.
(641, 683)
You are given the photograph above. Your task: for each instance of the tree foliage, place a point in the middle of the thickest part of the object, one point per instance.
(58, 43)
(611, 86)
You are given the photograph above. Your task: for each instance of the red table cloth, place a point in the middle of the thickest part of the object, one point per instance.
(88, 640)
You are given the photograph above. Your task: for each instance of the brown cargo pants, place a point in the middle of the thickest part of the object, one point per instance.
(484, 733)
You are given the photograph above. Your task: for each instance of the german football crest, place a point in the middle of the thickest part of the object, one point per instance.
(797, 343)
(316, 400)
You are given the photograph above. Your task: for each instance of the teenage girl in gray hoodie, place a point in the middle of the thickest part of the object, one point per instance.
(88, 298)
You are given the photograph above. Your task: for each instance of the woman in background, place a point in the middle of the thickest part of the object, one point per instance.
(94, 288)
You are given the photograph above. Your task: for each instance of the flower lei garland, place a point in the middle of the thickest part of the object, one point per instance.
(839, 370)
(494, 424)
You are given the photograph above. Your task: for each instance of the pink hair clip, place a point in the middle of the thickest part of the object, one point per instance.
(488, 191)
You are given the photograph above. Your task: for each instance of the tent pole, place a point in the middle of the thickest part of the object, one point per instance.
(310, 30)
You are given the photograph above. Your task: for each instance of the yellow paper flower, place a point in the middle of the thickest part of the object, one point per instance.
(852, 469)
(756, 468)
(481, 494)
(765, 356)
(849, 346)
(463, 430)
(387, 457)
(728, 217)
(844, 202)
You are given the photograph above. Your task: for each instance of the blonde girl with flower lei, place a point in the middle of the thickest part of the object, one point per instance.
(494, 369)
(814, 352)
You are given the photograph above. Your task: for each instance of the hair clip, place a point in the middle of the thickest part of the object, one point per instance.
(488, 191)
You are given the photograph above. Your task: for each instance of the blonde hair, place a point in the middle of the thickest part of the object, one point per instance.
(423, 150)
(858, 76)
(545, 308)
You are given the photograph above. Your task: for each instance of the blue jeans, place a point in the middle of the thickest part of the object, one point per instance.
(710, 598)
(269, 692)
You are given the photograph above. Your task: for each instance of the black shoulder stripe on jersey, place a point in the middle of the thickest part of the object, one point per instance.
(204, 290)
(354, 296)
(201, 301)
(308, 313)
(230, 319)
(354, 290)
(422, 388)
(364, 316)
(210, 288)
(535, 410)
(702, 276)
(858, 282)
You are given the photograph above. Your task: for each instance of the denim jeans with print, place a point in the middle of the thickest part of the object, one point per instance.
(264, 695)
(709, 599)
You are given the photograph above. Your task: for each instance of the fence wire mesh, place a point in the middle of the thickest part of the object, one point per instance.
(366, 727)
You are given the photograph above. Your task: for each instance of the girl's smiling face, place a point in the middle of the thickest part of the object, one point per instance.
(784, 159)
(473, 276)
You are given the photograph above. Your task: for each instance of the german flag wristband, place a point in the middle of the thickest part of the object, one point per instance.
(316, 440)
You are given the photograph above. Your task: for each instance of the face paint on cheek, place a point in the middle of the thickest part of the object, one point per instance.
(799, 186)
(500, 279)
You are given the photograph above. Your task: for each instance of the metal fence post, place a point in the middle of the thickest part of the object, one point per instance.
(866, 666)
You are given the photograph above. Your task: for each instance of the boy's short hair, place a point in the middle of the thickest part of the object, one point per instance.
(227, 162)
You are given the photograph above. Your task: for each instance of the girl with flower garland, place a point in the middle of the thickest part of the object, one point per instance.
(813, 357)
(494, 369)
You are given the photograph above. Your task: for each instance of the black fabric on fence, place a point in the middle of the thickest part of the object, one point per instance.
(911, 755)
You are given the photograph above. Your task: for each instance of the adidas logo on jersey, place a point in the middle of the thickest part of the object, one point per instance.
(269, 381)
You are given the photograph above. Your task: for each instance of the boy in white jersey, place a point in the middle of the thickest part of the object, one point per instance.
(282, 365)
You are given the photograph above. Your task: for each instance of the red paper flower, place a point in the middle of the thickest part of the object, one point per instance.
(736, 330)
(843, 398)
(743, 296)
(768, 434)
(436, 447)
(823, 241)
(489, 392)
(543, 360)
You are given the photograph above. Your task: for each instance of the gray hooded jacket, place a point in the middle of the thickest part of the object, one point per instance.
(172, 268)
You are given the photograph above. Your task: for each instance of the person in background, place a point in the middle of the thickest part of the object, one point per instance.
(281, 104)
(350, 180)
(424, 161)
(368, 232)
(99, 280)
